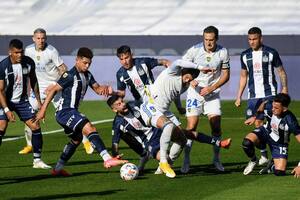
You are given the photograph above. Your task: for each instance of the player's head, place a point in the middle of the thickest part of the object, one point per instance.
(83, 59)
(189, 74)
(15, 51)
(210, 38)
(39, 38)
(255, 38)
(125, 56)
(280, 103)
(117, 104)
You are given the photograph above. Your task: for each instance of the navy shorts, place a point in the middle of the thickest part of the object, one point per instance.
(154, 144)
(71, 120)
(253, 104)
(23, 109)
(277, 150)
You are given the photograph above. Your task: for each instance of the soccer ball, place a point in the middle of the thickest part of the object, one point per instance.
(129, 171)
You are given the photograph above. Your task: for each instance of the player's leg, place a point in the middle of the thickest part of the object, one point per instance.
(252, 106)
(3, 126)
(194, 105)
(27, 131)
(280, 155)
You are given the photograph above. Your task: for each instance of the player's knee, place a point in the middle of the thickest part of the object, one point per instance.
(278, 172)
(247, 144)
(84, 127)
(76, 138)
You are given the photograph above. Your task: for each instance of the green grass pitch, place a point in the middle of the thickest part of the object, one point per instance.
(19, 181)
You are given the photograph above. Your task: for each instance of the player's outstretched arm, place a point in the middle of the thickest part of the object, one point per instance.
(104, 90)
(242, 86)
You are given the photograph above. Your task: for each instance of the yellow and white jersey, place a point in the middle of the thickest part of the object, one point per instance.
(168, 85)
(46, 65)
(217, 60)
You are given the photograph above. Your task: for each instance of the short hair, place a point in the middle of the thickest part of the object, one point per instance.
(255, 30)
(283, 98)
(111, 100)
(191, 71)
(39, 30)
(85, 52)
(212, 29)
(124, 49)
(16, 43)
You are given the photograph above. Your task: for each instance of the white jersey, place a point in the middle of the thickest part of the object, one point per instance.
(46, 65)
(217, 60)
(168, 85)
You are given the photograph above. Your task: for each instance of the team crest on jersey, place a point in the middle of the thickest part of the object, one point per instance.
(38, 58)
(208, 58)
(281, 126)
(141, 72)
(265, 58)
(65, 75)
(25, 70)
(249, 112)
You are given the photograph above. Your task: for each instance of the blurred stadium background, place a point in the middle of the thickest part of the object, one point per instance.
(154, 28)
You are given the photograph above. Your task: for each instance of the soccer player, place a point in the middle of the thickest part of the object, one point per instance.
(16, 71)
(258, 65)
(49, 67)
(170, 83)
(128, 121)
(203, 96)
(73, 85)
(135, 73)
(276, 133)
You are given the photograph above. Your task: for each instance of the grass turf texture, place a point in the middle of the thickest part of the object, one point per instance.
(18, 180)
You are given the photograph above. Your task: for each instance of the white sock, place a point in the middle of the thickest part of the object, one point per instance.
(105, 155)
(28, 135)
(175, 151)
(165, 141)
(187, 150)
(84, 139)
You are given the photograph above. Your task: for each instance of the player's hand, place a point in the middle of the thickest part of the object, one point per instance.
(206, 90)
(296, 172)
(103, 90)
(237, 102)
(250, 121)
(194, 83)
(10, 116)
(40, 115)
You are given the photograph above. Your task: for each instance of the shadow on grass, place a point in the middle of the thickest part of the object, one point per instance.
(71, 195)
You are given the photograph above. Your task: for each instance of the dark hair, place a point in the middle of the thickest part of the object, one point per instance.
(85, 52)
(191, 71)
(282, 98)
(16, 43)
(124, 49)
(254, 30)
(39, 30)
(111, 100)
(212, 29)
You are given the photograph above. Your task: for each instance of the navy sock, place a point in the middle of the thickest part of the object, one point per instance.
(1, 136)
(37, 143)
(96, 142)
(205, 139)
(67, 153)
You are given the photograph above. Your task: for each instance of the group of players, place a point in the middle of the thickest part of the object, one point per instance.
(146, 124)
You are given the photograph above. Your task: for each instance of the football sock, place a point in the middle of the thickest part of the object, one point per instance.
(248, 147)
(165, 141)
(96, 142)
(37, 143)
(175, 151)
(1, 136)
(67, 153)
(28, 135)
(216, 147)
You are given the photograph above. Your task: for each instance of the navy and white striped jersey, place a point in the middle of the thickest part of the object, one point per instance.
(136, 77)
(260, 66)
(16, 78)
(280, 128)
(132, 124)
(74, 86)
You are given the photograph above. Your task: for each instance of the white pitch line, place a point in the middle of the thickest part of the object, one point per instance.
(56, 131)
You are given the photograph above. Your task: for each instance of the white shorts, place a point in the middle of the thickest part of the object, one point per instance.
(151, 114)
(197, 104)
(34, 104)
